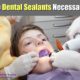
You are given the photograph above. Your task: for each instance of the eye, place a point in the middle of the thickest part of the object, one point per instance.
(44, 39)
(27, 44)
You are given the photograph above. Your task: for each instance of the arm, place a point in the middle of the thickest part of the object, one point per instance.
(5, 33)
(2, 72)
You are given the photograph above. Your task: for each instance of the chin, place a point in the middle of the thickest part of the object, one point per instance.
(43, 65)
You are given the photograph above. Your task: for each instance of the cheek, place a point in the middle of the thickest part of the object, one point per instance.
(27, 49)
(49, 46)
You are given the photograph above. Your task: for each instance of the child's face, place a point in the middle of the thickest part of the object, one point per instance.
(34, 40)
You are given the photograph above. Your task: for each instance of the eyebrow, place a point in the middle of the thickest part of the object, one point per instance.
(39, 35)
(26, 38)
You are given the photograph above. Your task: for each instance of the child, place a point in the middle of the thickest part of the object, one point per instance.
(32, 38)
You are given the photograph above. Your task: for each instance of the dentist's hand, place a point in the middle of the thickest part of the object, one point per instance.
(22, 65)
(73, 44)
(74, 28)
(66, 59)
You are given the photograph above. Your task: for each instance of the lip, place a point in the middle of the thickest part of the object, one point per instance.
(44, 52)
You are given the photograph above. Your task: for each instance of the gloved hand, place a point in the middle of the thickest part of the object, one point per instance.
(66, 59)
(74, 28)
(22, 65)
(73, 44)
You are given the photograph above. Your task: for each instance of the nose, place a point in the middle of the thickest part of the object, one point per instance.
(39, 42)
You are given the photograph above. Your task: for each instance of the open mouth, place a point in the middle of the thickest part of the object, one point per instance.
(44, 52)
